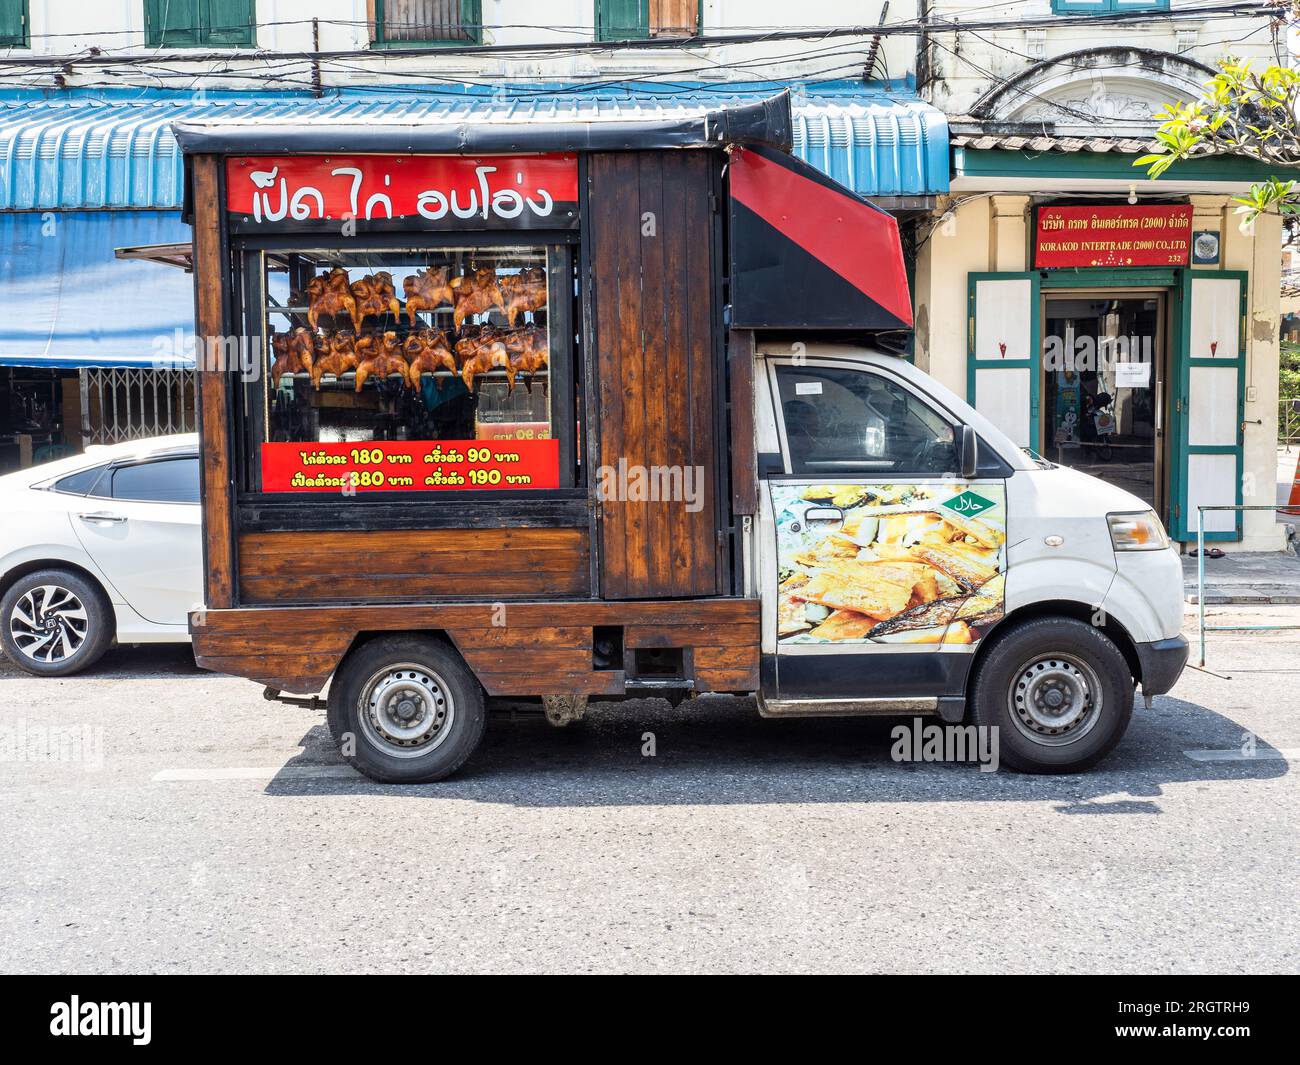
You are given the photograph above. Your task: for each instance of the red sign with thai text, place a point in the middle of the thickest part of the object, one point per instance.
(1113, 235)
(410, 466)
(420, 191)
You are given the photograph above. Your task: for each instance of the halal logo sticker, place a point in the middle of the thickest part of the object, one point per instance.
(969, 504)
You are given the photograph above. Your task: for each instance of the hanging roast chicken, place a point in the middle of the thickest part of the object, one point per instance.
(524, 292)
(475, 293)
(427, 352)
(375, 296)
(427, 290)
(339, 355)
(528, 351)
(380, 356)
(294, 353)
(482, 351)
(332, 295)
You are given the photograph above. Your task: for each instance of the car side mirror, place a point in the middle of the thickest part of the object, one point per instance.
(967, 448)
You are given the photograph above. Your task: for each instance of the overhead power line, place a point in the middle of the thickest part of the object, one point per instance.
(932, 26)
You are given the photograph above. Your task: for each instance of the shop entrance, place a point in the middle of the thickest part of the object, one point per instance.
(1104, 372)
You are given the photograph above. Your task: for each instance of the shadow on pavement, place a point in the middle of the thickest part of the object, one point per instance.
(130, 662)
(718, 750)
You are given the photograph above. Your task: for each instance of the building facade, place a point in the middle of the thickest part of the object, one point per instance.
(1125, 326)
(89, 170)
(1002, 137)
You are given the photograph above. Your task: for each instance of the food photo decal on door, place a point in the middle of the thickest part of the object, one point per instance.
(907, 563)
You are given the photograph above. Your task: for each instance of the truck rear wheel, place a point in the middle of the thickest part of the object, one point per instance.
(1059, 692)
(406, 710)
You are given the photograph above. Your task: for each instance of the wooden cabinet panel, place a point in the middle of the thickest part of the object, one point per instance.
(428, 564)
(521, 649)
(653, 310)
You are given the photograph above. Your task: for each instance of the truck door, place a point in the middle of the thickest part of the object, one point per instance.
(890, 566)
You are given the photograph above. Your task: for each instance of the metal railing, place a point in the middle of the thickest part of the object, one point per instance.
(1288, 422)
(1200, 577)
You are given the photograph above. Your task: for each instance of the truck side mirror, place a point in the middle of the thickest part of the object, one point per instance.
(967, 447)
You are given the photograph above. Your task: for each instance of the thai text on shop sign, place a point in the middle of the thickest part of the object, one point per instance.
(1113, 235)
(411, 466)
(427, 191)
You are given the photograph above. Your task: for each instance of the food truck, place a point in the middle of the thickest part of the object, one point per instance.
(570, 410)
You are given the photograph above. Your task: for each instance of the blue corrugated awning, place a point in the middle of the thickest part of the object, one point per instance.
(81, 148)
(70, 302)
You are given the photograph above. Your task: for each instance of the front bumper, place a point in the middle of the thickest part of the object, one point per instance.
(1161, 662)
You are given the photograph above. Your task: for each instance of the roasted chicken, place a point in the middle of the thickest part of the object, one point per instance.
(528, 352)
(375, 295)
(427, 352)
(332, 295)
(337, 357)
(379, 357)
(294, 353)
(475, 293)
(482, 351)
(427, 291)
(524, 291)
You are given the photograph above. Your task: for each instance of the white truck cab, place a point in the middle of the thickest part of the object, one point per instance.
(910, 558)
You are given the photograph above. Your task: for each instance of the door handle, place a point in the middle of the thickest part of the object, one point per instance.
(102, 518)
(823, 514)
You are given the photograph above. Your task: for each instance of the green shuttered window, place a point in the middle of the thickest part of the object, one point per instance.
(633, 20)
(13, 24)
(1098, 7)
(199, 23)
(419, 23)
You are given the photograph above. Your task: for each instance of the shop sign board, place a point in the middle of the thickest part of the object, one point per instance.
(402, 192)
(1113, 235)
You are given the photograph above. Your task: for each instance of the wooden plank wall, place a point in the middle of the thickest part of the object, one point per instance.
(428, 564)
(213, 386)
(650, 238)
(521, 649)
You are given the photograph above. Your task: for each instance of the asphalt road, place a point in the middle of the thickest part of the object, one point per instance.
(199, 828)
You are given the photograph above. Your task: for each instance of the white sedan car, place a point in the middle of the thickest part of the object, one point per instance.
(101, 547)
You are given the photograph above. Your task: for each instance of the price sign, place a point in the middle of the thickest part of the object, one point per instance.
(411, 466)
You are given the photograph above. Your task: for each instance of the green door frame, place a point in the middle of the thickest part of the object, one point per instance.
(1034, 363)
(1153, 277)
(1182, 525)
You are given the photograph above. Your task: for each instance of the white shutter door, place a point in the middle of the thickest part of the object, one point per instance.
(1003, 361)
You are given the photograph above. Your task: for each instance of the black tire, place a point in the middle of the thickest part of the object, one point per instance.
(1044, 733)
(399, 675)
(80, 620)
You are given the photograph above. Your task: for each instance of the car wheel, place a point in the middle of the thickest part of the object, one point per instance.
(55, 622)
(1059, 692)
(406, 710)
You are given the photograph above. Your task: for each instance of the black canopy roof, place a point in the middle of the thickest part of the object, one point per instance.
(496, 128)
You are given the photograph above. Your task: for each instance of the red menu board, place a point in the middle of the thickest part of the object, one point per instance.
(1113, 235)
(411, 466)
(421, 191)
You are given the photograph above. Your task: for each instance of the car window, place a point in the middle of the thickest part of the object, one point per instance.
(841, 420)
(79, 483)
(165, 481)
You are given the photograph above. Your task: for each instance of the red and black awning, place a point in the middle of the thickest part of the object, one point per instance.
(806, 253)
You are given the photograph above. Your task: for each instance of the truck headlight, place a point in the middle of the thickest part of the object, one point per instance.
(1137, 532)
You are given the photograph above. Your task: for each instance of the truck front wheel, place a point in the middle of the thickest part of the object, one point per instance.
(1059, 692)
(406, 710)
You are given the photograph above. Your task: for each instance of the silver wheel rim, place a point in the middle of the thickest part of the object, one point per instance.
(406, 711)
(1055, 699)
(48, 624)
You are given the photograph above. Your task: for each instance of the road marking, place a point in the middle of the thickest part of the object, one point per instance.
(296, 772)
(1233, 754)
